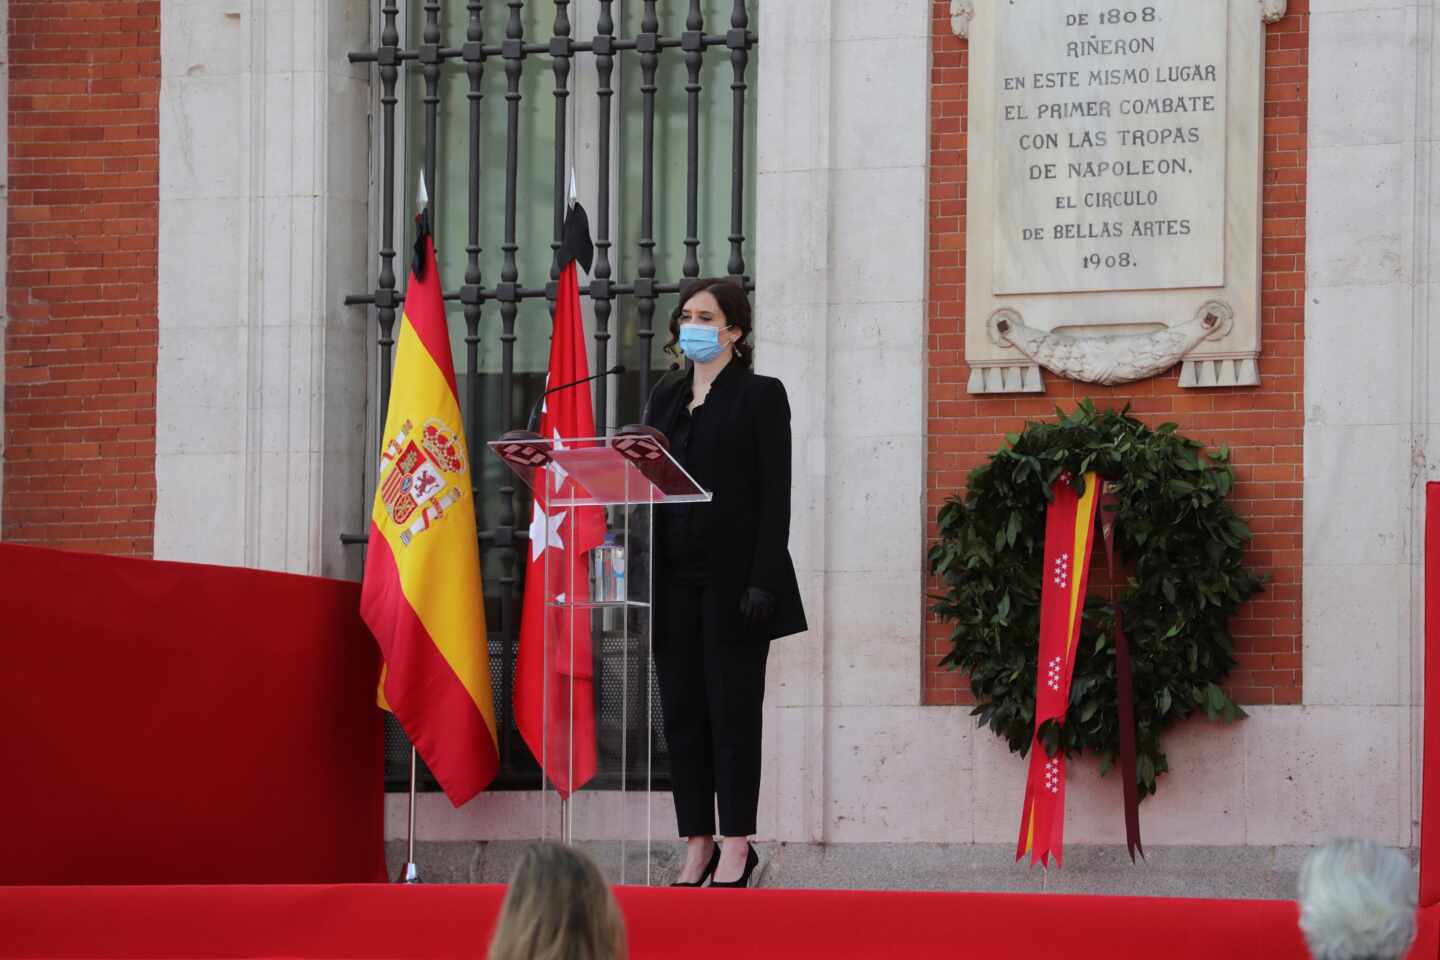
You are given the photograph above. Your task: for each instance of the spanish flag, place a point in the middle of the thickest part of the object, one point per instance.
(1069, 537)
(422, 595)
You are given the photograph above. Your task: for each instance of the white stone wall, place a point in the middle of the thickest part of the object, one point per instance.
(1369, 403)
(265, 145)
(842, 171)
(842, 158)
(264, 151)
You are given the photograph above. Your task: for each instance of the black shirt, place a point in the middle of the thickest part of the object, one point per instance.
(684, 529)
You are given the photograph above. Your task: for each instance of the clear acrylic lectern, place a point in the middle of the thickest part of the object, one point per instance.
(586, 694)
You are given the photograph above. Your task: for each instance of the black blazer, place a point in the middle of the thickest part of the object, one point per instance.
(748, 521)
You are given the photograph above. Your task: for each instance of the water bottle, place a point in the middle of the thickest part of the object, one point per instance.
(607, 579)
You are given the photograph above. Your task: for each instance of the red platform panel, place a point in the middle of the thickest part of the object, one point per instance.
(181, 723)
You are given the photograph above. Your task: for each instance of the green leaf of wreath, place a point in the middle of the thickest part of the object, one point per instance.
(1180, 545)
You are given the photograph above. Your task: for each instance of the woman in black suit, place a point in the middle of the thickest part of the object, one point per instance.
(725, 585)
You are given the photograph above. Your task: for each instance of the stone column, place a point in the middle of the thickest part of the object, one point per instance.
(1368, 400)
(264, 147)
(841, 234)
(792, 325)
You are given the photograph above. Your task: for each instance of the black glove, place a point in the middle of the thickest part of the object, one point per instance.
(756, 606)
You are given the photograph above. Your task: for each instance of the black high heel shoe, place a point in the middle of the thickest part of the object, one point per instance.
(752, 860)
(706, 874)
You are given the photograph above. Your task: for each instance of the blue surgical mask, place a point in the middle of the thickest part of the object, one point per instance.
(699, 342)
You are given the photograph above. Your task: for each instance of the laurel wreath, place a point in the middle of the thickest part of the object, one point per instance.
(1179, 543)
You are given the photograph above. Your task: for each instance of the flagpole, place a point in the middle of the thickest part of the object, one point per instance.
(412, 873)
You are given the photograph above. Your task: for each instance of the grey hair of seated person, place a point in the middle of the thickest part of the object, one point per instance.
(1357, 901)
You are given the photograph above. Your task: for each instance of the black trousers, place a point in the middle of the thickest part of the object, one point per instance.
(712, 689)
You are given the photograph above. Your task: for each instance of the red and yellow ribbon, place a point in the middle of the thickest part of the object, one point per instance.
(1069, 537)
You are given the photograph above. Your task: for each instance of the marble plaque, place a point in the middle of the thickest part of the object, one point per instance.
(1113, 191)
(1110, 146)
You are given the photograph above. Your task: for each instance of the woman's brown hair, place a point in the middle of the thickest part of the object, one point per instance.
(558, 908)
(734, 303)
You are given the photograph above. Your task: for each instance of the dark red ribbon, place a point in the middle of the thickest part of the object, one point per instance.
(1124, 680)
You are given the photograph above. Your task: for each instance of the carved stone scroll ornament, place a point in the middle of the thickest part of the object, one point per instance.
(1272, 11)
(963, 11)
(1106, 360)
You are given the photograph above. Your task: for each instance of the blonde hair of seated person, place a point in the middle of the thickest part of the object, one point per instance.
(558, 907)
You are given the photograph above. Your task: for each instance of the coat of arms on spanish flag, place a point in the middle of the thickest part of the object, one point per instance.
(422, 595)
(1069, 537)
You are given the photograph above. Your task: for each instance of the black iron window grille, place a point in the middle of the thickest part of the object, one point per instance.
(651, 113)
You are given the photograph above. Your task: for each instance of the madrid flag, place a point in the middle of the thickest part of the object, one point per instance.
(554, 669)
(422, 595)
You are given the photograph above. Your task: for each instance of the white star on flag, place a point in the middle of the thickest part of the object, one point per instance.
(560, 472)
(545, 532)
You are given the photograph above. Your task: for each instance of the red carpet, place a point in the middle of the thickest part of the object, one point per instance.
(364, 921)
(374, 921)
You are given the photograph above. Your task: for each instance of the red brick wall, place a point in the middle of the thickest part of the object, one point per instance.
(1263, 425)
(80, 347)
